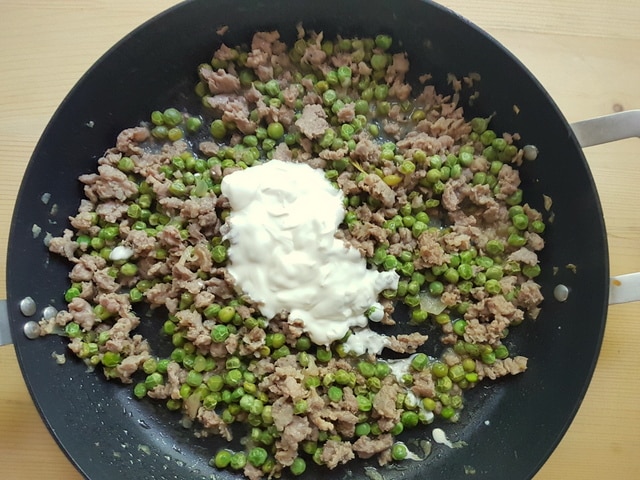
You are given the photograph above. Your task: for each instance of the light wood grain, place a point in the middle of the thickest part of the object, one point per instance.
(585, 53)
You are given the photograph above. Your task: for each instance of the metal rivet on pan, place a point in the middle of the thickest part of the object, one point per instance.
(530, 152)
(31, 330)
(561, 293)
(49, 312)
(28, 306)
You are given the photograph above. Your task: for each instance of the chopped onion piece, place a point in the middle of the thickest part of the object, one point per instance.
(431, 304)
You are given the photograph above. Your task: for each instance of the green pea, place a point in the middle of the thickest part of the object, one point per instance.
(390, 262)
(367, 369)
(129, 269)
(193, 124)
(140, 390)
(479, 124)
(153, 380)
(374, 384)
(298, 466)
(419, 316)
(160, 132)
(397, 429)
(257, 456)
(516, 240)
(268, 144)
(443, 385)
(407, 167)
(484, 261)
(272, 88)
(538, 226)
(520, 221)
(344, 75)
(378, 61)
(429, 404)
(222, 459)
(436, 288)
(275, 130)
(399, 451)
(342, 377)
(459, 327)
(174, 134)
(418, 228)
(194, 379)
(494, 272)
(439, 369)
(412, 300)
(409, 419)
(456, 373)
(157, 118)
(280, 352)
(499, 144)
(346, 131)
(419, 361)
(451, 275)
(226, 314)
(362, 429)
(220, 333)
(382, 370)
(361, 107)
(323, 355)
(531, 271)
(471, 377)
(515, 198)
(172, 117)
(219, 253)
(212, 310)
(447, 412)
(238, 461)
(487, 137)
(515, 210)
(488, 357)
(218, 129)
(494, 247)
(364, 403)
(465, 158)
(334, 393)
(215, 383)
(72, 293)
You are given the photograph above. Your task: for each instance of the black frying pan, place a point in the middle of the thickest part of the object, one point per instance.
(511, 427)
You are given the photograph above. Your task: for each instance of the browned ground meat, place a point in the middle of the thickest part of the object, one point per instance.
(312, 123)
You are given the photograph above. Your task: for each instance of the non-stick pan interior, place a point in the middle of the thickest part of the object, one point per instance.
(510, 427)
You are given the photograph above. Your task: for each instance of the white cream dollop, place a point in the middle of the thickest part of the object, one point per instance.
(284, 255)
(121, 252)
(365, 340)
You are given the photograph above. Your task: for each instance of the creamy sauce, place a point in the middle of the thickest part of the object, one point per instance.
(121, 253)
(366, 341)
(400, 367)
(284, 255)
(376, 312)
(412, 399)
(440, 437)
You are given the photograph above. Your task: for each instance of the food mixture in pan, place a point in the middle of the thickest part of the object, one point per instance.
(273, 235)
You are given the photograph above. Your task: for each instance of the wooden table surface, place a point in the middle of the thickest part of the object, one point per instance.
(585, 52)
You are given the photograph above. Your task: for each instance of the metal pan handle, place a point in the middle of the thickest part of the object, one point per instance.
(5, 331)
(605, 129)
